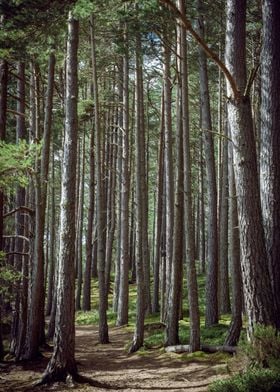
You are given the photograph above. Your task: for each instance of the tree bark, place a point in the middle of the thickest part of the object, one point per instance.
(3, 118)
(188, 215)
(100, 202)
(140, 196)
(270, 143)
(211, 308)
(62, 364)
(256, 282)
(124, 203)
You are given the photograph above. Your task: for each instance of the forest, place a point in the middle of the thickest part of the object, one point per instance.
(140, 193)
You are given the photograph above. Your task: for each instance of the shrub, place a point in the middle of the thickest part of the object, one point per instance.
(253, 380)
(264, 349)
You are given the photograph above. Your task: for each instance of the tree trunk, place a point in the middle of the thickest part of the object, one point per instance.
(3, 114)
(18, 322)
(224, 300)
(89, 236)
(140, 210)
(168, 160)
(62, 364)
(124, 203)
(211, 308)
(174, 298)
(234, 251)
(189, 230)
(52, 258)
(257, 292)
(100, 203)
(270, 143)
(80, 225)
(158, 215)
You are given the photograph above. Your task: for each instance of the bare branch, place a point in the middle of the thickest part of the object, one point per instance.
(19, 209)
(21, 237)
(209, 52)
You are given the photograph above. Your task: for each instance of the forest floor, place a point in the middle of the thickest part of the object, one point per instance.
(109, 367)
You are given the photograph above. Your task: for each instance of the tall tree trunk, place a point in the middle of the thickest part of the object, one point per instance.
(100, 202)
(125, 185)
(89, 237)
(257, 292)
(80, 229)
(140, 195)
(52, 258)
(18, 322)
(224, 299)
(3, 118)
(36, 311)
(168, 160)
(270, 143)
(234, 251)
(211, 309)
(189, 229)
(62, 363)
(174, 298)
(158, 214)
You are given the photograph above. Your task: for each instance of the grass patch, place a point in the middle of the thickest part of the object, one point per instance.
(254, 380)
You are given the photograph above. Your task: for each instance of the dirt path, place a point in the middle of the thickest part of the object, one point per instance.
(111, 368)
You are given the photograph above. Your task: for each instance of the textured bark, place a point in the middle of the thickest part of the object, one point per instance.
(52, 258)
(158, 217)
(62, 362)
(89, 237)
(270, 142)
(234, 252)
(124, 202)
(140, 211)
(168, 161)
(254, 264)
(175, 292)
(224, 300)
(189, 229)
(211, 310)
(3, 117)
(19, 322)
(79, 242)
(100, 202)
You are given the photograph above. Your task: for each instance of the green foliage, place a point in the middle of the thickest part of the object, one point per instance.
(8, 277)
(254, 380)
(264, 349)
(16, 163)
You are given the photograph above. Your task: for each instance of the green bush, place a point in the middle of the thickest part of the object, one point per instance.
(254, 380)
(264, 349)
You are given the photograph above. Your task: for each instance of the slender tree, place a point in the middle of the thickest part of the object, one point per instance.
(100, 200)
(62, 363)
(211, 315)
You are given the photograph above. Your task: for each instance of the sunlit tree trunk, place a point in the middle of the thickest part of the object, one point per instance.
(257, 292)
(124, 203)
(62, 363)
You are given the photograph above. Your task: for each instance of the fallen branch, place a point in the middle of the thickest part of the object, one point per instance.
(185, 348)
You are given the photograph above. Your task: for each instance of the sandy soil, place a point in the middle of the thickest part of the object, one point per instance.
(109, 367)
